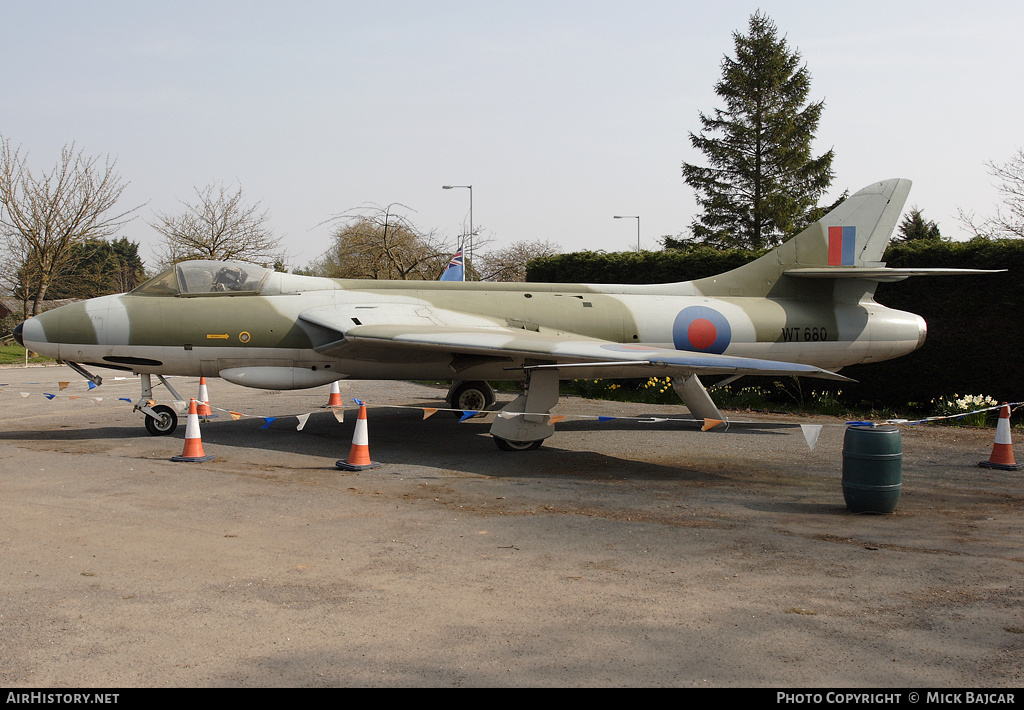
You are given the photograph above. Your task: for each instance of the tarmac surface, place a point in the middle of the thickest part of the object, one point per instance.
(622, 553)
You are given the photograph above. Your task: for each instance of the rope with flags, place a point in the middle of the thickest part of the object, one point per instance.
(810, 431)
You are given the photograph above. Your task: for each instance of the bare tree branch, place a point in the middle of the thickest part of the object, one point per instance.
(1008, 222)
(218, 226)
(44, 216)
(375, 242)
(509, 264)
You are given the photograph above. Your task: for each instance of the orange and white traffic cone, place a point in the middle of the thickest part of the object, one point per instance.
(1002, 450)
(359, 454)
(335, 399)
(193, 451)
(203, 400)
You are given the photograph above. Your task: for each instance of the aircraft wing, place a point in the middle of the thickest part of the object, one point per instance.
(419, 331)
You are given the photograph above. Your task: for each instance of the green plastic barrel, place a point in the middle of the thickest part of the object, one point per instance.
(872, 468)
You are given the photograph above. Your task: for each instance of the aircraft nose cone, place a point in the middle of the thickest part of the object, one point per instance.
(17, 333)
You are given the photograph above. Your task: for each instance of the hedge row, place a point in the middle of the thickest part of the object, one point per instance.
(630, 267)
(975, 333)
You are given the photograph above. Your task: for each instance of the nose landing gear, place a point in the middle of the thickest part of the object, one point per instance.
(161, 420)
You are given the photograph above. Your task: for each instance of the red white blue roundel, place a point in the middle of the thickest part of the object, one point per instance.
(701, 329)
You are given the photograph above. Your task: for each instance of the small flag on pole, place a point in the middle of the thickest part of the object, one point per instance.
(455, 271)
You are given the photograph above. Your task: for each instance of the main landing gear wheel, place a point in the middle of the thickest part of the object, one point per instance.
(164, 423)
(506, 445)
(470, 396)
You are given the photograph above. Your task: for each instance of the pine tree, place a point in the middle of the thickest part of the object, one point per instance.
(915, 227)
(763, 183)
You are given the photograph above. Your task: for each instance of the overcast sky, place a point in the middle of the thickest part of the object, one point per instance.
(560, 114)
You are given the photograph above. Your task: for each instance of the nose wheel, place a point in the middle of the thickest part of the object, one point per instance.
(163, 423)
(161, 420)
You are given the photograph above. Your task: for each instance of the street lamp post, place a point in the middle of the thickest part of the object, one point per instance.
(637, 218)
(469, 252)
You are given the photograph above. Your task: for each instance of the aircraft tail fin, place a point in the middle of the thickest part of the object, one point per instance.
(857, 231)
(853, 235)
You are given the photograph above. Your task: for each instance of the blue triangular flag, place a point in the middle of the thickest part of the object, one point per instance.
(269, 421)
(48, 395)
(467, 414)
(92, 385)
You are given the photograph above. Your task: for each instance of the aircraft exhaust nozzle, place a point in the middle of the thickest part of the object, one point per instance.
(17, 333)
(922, 331)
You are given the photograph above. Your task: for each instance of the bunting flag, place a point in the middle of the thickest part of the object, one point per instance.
(429, 412)
(92, 385)
(711, 423)
(358, 401)
(48, 395)
(63, 385)
(339, 414)
(302, 421)
(269, 421)
(25, 394)
(811, 432)
(124, 399)
(236, 415)
(467, 414)
(555, 419)
(606, 419)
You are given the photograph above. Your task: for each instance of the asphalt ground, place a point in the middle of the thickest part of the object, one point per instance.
(622, 553)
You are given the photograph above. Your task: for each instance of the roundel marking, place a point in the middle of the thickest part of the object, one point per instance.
(701, 329)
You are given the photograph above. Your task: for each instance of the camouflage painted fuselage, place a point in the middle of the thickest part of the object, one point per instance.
(213, 333)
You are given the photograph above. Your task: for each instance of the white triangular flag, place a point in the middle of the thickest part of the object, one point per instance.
(302, 421)
(339, 413)
(811, 432)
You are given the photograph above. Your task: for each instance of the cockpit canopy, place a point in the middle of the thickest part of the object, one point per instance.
(206, 278)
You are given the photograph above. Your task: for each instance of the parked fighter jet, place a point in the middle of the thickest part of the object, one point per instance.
(805, 308)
